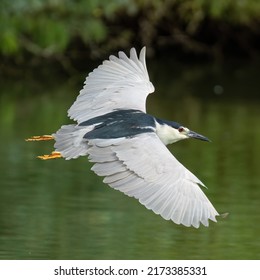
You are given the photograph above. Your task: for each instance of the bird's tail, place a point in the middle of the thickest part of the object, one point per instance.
(69, 142)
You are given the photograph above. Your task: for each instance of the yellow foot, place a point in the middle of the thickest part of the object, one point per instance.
(40, 138)
(51, 156)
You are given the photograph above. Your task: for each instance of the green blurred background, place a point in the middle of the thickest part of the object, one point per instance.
(71, 30)
(203, 59)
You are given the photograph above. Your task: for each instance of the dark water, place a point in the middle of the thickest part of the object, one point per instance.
(61, 210)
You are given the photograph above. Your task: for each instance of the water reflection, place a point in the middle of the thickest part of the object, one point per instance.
(61, 210)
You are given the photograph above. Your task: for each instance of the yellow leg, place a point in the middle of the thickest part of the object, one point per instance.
(40, 138)
(45, 138)
(51, 156)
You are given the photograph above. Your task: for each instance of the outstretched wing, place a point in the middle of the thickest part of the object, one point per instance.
(143, 168)
(119, 83)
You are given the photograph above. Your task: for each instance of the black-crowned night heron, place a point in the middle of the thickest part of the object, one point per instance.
(128, 146)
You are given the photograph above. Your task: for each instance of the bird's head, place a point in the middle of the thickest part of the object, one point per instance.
(170, 132)
(187, 133)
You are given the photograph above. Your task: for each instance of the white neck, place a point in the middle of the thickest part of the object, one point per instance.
(168, 134)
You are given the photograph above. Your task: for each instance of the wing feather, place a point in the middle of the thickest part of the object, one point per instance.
(119, 83)
(117, 177)
(142, 167)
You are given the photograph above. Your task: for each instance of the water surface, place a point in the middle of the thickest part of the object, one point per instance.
(61, 210)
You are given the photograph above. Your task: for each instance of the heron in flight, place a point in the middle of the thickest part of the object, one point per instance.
(128, 146)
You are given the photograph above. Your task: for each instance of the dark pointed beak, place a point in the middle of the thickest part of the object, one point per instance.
(195, 135)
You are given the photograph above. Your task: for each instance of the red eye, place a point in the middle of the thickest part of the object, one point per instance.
(181, 129)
